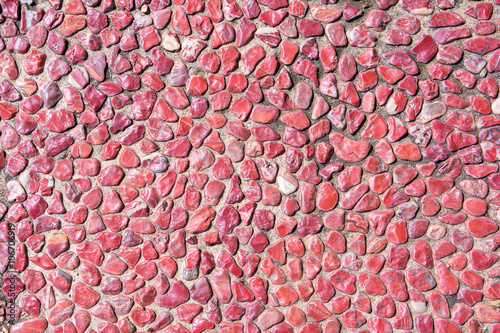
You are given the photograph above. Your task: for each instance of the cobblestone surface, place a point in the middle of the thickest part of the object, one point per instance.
(262, 166)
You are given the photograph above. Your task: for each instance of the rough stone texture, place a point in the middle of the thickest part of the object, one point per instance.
(244, 166)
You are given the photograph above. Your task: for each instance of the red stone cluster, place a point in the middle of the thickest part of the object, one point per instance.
(250, 166)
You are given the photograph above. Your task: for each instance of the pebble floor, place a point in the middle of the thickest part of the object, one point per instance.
(251, 166)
